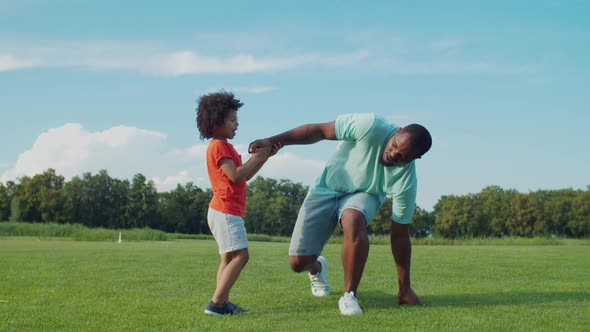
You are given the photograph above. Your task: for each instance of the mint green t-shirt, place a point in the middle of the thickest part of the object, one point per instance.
(356, 165)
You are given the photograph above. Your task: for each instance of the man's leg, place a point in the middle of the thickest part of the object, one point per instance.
(318, 272)
(305, 263)
(401, 248)
(315, 223)
(355, 248)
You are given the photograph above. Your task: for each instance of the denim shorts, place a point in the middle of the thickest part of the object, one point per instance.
(228, 230)
(319, 215)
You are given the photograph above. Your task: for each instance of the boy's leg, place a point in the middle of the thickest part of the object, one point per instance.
(225, 259)
(230, 234)
(229, 274)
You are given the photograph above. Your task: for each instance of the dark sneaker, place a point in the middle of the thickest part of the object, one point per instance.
(227, 308)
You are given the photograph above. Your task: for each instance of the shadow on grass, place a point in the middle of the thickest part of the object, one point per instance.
(377, 299)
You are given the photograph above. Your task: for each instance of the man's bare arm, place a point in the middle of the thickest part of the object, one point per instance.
(305, 134)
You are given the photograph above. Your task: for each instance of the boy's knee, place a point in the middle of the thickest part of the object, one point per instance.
(244, 256)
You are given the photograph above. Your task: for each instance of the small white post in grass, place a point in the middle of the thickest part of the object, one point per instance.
(120, 239)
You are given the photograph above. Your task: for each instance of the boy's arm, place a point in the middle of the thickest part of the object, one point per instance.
(245, 171)
(267, 151)
(305, 134)
(255, 170)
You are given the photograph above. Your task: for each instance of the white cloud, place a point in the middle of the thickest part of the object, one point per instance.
(153, 59)
(125, 151)
(446, 43)
(169, 182)
(445, 67)
(72, 150)
(188, 62)
(287, 165)
(9, 62)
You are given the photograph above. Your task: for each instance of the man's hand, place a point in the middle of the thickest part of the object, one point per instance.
(275, 148)
(408, 296)
(260, 143)
(262, 153)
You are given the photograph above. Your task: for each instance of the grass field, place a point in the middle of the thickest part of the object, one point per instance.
(64, 285)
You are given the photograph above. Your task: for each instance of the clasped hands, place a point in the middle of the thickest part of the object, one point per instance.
(264, 146)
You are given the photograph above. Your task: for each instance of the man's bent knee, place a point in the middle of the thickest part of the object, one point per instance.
(301, 263)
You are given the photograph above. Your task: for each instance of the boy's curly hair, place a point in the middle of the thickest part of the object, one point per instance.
(213, 109)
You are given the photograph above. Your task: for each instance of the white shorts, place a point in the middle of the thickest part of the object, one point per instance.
(228, 230)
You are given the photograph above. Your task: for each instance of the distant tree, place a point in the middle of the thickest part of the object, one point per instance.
(422, 223)
(25, 202)
(39, 198)
(15, 213)
(50, 197)
(273, 205)
(556, 211)
(184, 209)
(201, 206)
(526, 211)
(287, 199)
(579, 223)
(496, 209)
(381, 223)
(104, 200)
(260, 191)
(142, 205)
(4, 203)
(447, 210)
(73, 196)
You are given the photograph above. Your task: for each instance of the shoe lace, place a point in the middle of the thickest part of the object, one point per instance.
(350, 299)
(316, 282)
(235, 309)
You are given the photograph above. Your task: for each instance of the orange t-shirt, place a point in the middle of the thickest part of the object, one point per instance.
(228, 197)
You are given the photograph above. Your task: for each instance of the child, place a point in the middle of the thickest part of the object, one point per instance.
(217, 119)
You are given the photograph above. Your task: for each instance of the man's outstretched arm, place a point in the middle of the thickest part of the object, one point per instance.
(305, 134)
(401, 248)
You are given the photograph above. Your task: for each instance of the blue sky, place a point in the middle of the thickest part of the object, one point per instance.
(503, 86)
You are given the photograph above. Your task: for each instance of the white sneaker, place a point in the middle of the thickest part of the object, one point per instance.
(349, 305)
(319, 281)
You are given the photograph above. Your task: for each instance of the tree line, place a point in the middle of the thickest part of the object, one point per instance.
(98, 200)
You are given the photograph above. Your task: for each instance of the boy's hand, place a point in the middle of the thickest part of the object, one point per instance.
(261, 152)
(259, 143)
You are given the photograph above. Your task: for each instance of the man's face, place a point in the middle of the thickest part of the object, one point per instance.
(398, 150)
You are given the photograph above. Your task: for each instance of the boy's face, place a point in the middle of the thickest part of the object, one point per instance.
(229, 127)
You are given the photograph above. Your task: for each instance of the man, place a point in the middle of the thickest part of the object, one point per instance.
(374, 159)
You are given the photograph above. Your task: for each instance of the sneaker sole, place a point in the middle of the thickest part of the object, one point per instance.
(213, 313)
(351, 313)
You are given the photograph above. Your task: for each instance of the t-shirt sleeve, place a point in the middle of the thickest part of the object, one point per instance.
(353, 127)
(403, 196)
(221, 151)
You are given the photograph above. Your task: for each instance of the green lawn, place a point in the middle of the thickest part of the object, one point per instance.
(62, 285)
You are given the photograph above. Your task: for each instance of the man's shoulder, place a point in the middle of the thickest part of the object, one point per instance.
(353, 117)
